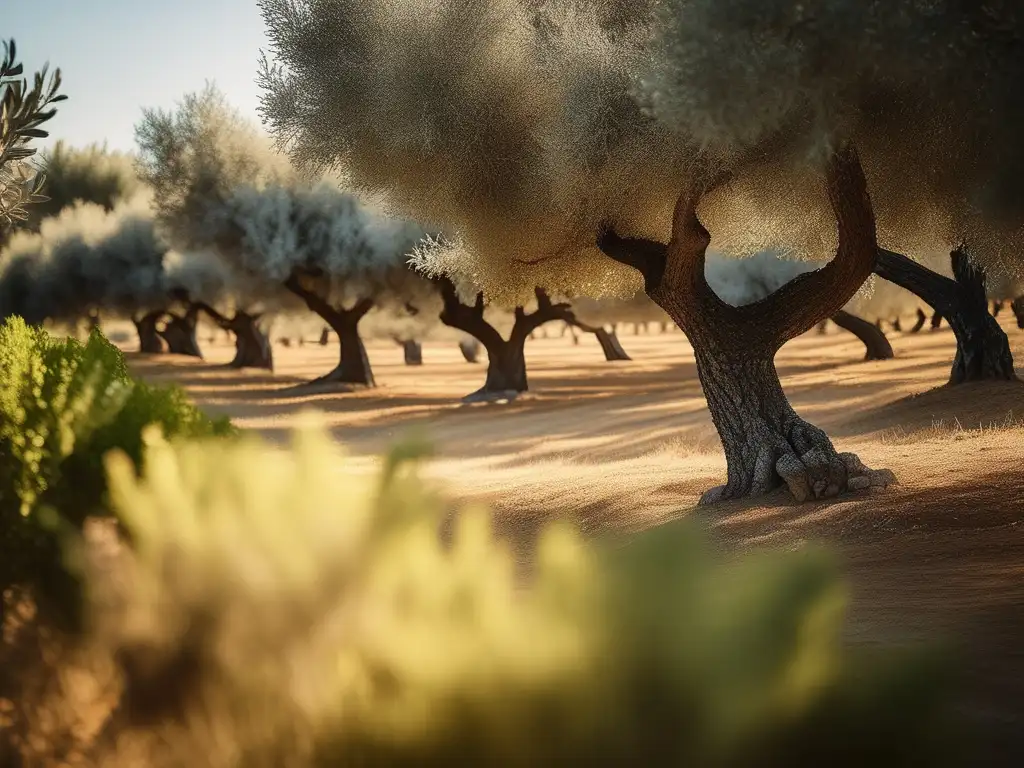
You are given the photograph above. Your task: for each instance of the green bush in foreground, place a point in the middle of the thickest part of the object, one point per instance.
(64, 404)
(281, 608)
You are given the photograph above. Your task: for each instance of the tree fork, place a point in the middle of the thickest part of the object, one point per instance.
(506, 358)
(982, 349)
(766, 443)
(180, 332)
(252, 345)
(150, 341)
(876, 345)
(353, 364)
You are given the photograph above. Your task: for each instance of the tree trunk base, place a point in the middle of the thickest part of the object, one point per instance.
(982, 353)
(180, 335)
(610, 345)
(493, 396)
(252, 346)
(150, 342)
(876, 345)
(1018, 310)
(766, 444)
(412, 352)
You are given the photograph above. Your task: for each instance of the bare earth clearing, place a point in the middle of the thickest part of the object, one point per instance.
(624, 446)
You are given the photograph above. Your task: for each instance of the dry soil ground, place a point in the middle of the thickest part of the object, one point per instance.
(623, 446)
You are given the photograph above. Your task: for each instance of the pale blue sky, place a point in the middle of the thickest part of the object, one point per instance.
(118, 56)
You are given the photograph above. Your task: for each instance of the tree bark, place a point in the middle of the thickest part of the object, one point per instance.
(252, 345)
(877, 347)
(506, 358)
(180, 333)
(412, 351)
(922, 318)
(1018, 310)
(150, 342)
(470, 349)
(982, 349)
(609, 340)
(766, 443)
(353, 364)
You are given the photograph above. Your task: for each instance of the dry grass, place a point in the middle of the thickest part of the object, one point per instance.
(625, 446)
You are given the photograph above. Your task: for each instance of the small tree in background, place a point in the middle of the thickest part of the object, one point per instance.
(91, 174)
(330, 250)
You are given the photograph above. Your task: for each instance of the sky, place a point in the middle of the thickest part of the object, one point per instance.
(118, 56)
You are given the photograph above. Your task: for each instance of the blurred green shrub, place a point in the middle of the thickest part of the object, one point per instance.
(283, 608)
(63, 404)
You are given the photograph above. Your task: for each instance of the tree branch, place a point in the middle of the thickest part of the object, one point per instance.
(645, 256)
(802, 302)
(466, 318)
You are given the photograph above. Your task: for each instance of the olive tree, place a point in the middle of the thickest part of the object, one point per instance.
(535, 129)
(522, 133)
(90, 174)
(329, 249)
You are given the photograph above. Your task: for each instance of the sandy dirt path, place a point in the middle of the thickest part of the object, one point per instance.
(624, 446)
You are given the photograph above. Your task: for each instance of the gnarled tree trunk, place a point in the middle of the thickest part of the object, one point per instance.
(412, 351)
(150, 342)
(506, 358)
(180, 332)
(353, 365)
(876, 345)
(252, 345)
(922, 318)
(1018, 310)
(766, 443)
(982, 349)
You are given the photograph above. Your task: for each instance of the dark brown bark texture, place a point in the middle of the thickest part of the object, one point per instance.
(180, 333)
(353, 365)
(982, 349)
(876, 345)
(766, 443)
(150, 342)
(1018, 310)
(922, 318)
(412, 351)
(609, 340)
(506, 358)
(252, 345)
